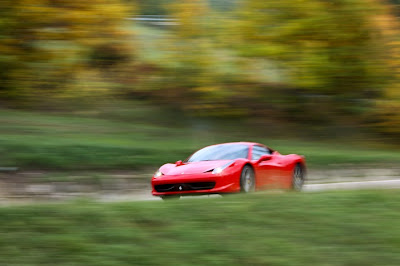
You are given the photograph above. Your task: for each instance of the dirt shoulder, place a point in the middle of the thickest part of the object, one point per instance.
(32, 186)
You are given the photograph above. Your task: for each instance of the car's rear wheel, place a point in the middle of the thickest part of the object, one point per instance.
(247, 180)
(298, 178)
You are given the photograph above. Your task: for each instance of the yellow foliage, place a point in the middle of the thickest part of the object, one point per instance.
(44, 43)
(331, 47)
(387, 109)
(191, 16)
(388, 114)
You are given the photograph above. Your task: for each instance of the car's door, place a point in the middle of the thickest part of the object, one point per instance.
(264, 164)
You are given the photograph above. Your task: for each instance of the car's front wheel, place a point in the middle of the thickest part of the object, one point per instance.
(298, 178)
(247, 180)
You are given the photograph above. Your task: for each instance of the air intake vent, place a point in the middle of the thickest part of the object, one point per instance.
(184, 186)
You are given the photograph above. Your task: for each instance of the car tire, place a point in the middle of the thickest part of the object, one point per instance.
(247, 180)
(298, 178)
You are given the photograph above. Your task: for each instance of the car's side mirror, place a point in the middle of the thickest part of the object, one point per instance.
(264, 157)
(179, 163)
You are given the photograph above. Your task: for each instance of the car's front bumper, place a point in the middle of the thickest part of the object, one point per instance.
(204, 183)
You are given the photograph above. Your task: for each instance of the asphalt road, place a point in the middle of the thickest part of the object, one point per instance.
(140, 190)
(377, 184)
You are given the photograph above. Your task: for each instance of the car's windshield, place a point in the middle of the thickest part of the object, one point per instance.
(220, 152)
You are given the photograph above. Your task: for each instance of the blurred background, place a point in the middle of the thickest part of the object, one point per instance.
(96, 95)
(127, 84)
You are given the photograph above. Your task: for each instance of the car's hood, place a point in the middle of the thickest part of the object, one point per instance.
(192, 168)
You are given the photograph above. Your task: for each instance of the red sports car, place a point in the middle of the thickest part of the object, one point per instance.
(228, 168)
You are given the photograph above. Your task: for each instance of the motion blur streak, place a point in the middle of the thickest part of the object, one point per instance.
(329, 65)
(96, 95)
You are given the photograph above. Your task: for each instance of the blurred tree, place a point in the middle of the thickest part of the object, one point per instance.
(331, 51)
(151, 7)
(223, 5)
(193, 16)
(160, 7)
(385, 116)
(200, 82)
(46, 43)
(396, 6)
(188, 70)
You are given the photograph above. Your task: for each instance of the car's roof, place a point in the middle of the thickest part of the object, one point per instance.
(241, 142)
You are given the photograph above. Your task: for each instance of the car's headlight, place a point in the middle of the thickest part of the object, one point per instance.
(158, 174)
(219, 169)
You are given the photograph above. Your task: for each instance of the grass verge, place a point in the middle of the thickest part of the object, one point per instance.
(335, 228)
(143, 137)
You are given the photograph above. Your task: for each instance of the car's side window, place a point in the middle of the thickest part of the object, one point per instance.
(259, 151)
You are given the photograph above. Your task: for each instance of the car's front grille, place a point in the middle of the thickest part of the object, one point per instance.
(201, 185)
(164, 188)
(184, 186)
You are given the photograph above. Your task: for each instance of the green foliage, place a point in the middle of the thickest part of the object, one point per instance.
(328, 49)
(121, 138)
(187, 74)
(224, 5)
(45, 43)
(160, 7)
(259, 229)
(386, 117)
(315, 63)
(151, 7)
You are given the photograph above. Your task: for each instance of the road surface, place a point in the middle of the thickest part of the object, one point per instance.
(376, 184)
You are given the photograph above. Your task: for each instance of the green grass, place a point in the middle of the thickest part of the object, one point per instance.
(336, 228)
(143, 136)
(35, 140)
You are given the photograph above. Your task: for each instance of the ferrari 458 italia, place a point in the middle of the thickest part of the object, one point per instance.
(230, 168)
